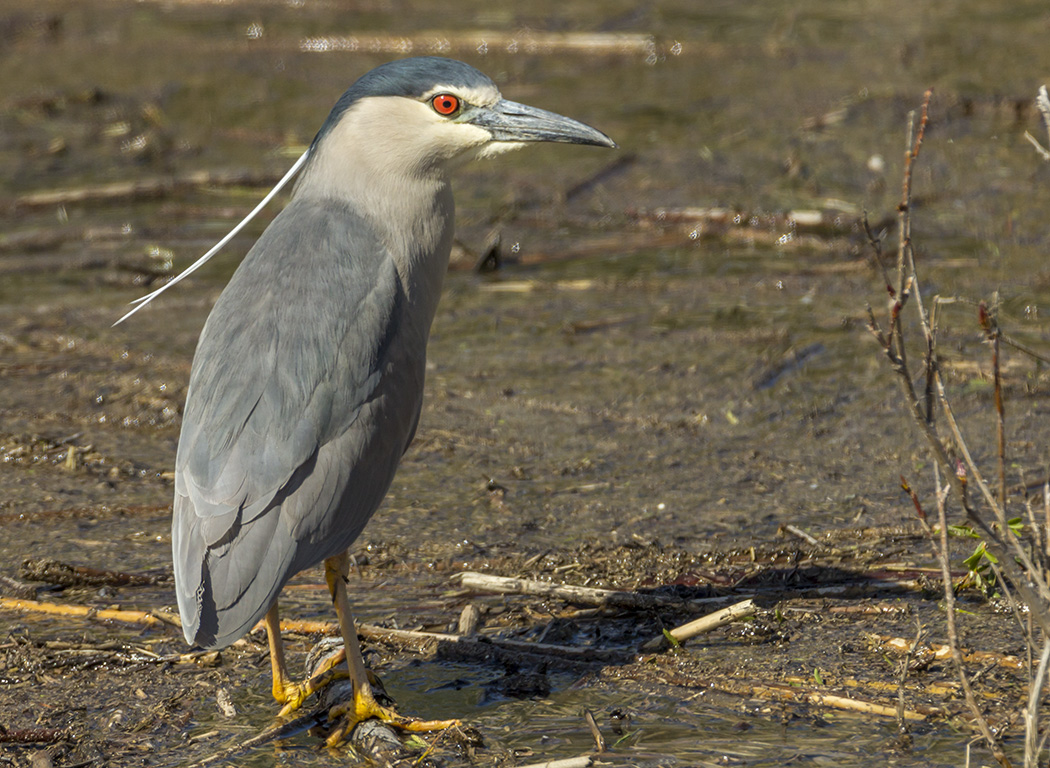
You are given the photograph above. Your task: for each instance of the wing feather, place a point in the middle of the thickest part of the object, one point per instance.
(290, 358)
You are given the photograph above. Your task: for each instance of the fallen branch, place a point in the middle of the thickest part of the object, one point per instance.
(51, 238)
(607, 598)
(32, 735)
(615, 167)
(485, 643)
(603, 598)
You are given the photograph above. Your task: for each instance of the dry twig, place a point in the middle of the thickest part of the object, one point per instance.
(922, 414)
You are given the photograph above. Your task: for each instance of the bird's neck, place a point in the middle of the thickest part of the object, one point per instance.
(412, 211)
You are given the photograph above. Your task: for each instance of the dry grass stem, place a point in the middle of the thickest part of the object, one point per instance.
(146, 618)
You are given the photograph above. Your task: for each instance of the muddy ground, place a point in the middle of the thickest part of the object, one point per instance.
(829, 627)
(670, 366)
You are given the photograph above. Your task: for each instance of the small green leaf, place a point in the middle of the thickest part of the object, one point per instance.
(414, 742)
(964, 531)
(973, 562)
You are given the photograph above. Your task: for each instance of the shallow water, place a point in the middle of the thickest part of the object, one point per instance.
(623, 377)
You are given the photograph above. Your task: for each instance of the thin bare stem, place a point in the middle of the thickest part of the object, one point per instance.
(876, 247)
(953, 638)
(906, 254)
(1032, 745)
(902, 724)
(1000, 421)
(1029, 582)
(989, 322)
(1012, 564)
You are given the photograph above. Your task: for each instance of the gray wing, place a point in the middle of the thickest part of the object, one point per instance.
(281, 406)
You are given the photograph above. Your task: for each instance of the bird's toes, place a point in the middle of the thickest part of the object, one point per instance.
(413, 725)
(340, 733)
(292, 695)
(364, 706)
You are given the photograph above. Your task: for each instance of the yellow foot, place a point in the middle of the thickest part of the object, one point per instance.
(293, 694)
(364, 706)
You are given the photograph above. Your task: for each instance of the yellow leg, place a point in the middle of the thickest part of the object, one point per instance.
(364, 704)
(285, 690)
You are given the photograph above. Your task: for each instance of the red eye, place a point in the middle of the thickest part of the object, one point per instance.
(445, 104)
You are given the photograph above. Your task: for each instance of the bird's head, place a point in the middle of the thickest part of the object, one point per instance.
(401, 124)
(416, 115)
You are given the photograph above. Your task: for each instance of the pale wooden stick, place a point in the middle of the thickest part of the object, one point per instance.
(703, 624)
(583, 761)
(785, 692)
(795, 530)
(151, 618)
(842, 702)
(605, 598)
(610, 598)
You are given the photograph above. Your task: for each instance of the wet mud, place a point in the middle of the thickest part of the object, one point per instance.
(646, 366)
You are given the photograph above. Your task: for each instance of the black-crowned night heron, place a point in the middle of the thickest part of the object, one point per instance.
(307, 382)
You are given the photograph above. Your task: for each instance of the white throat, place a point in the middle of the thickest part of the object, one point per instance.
(374, 165)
